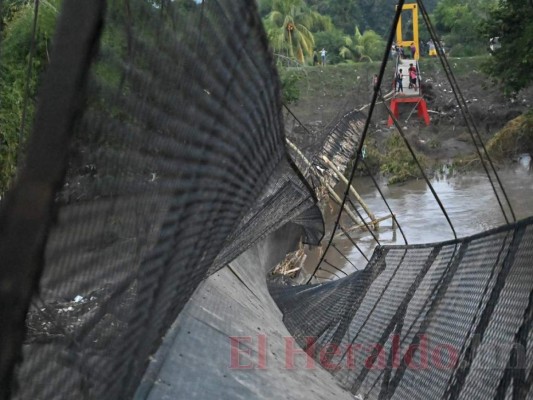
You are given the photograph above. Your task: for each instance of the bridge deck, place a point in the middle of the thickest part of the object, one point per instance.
(404, 64)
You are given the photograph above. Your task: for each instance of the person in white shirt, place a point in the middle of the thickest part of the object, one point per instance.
(323, 55)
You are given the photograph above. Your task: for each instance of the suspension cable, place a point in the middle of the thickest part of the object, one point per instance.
(346, 258)
(353, 242)
(364, 222)
(334, 267)
(426, 179)
(312, 177)
(367, 169)
(467, 116)
(365, 130)
(385, 201)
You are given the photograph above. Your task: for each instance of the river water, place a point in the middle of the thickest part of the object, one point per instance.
(468, 200)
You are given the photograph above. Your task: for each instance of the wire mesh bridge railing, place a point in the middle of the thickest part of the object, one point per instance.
(157, 157)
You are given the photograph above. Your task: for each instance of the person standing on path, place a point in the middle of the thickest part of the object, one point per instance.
(402, 53)
(323, 55)
(412, 77)
(375, 82)
(399, 82)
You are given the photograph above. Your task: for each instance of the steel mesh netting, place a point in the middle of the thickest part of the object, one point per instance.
(451, 320)
(341, 143)
(339, 146)
(286, 198)
(175, 166)
(179, 135)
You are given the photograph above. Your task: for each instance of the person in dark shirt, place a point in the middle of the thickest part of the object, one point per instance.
(399, 83)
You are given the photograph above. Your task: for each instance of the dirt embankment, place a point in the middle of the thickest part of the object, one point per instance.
(327, 93)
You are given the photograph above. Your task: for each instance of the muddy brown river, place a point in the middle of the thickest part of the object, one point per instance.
(468, 199)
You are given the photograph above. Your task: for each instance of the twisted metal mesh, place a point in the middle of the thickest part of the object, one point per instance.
(174, 151)
(157, 157)
(450, 320)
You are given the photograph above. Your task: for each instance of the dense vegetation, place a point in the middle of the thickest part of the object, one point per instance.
(355, 30)
(511, 65)
(336, 25)
(17, 92)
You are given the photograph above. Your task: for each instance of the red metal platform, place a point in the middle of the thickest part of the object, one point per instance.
(421, 106)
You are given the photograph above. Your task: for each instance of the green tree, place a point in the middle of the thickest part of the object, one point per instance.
(16, 40)
(512, 63)
(264, 7)
(332, 41)
(289, 27)
(367, 14)
(368, 46)
(344, 14)
(8, 9)
(290, 91)
(458, 22)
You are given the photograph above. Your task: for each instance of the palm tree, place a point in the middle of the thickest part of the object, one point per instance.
(289, 27)
(362, 47)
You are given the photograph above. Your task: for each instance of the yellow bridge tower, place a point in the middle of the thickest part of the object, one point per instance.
(407, 70)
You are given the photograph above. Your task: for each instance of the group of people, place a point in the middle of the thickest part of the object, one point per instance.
(399, 51)
(413, 79)
(412, 73)
(403, 52)
(323, 53)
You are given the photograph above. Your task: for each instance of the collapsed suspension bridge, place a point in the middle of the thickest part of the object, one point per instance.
(155, 198)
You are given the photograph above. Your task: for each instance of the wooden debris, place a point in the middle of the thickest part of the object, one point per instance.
(292, 263)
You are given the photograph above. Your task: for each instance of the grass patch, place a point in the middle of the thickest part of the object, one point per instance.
(340, 79)
(397, 163)
(16, 40)
(515, 138)
(460, 65)
(394, 162)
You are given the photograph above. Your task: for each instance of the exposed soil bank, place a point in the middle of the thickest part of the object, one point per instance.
(327, 93)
